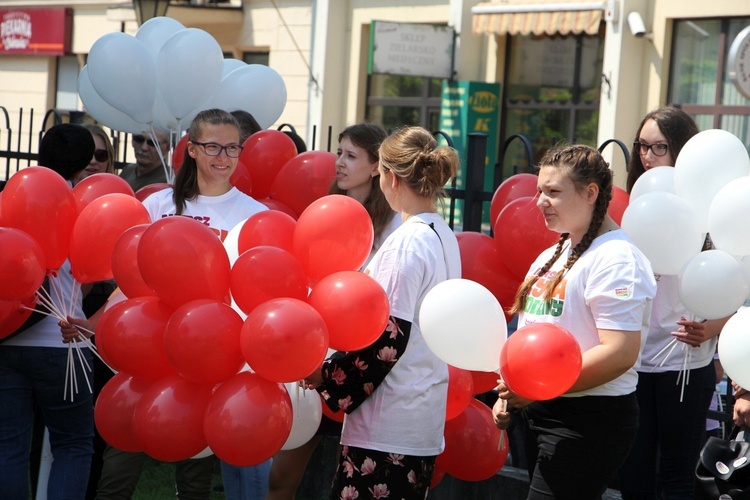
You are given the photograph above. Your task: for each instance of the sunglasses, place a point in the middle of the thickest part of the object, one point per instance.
(101, 155)
(139, 139)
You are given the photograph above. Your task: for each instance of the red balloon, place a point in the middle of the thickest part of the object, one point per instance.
(484, 381)
(514, 187)
(125, 264)
(460, 391)
(482, 262)
(264, 273)
(130, 335)
(521, 234)
(355, 308)
(2, 222)
(248, 419)
(270, 228)
(150, 189)
(336, 416)
(241, 179)
(182, 260)
(471, 444)
(540, 361)
(437, 476)
(281, 207)
(304, 179)
(96, 185)
(40, 202)
(13, 314)
(263, 156)
(96, 231)
(22, 265)
(333, 234)
(618, 204)
(203, 341)
(168, 419)
(178, 155)
(113, 412)
(284, 340)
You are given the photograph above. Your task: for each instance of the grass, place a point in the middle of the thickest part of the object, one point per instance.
(157, 482)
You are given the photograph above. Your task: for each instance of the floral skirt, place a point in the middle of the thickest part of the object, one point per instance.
(365, 474)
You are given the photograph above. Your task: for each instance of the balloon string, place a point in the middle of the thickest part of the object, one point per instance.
(501, 441)
(167, 169)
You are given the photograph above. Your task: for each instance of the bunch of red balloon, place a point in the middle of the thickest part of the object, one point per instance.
(44, 222)
(271, 171)
(193, 318)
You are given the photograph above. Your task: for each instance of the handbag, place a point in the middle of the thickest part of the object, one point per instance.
(723, 470)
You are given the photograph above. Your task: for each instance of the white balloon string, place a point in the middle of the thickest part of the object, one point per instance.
(84, 363)
(167, 168)
(501, 441)
(67, 375)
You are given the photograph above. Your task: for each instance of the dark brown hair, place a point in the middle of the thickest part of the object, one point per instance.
(368, 136)
(677, 127)
(583, 166)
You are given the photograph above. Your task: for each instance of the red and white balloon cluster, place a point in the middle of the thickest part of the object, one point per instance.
(165, 74)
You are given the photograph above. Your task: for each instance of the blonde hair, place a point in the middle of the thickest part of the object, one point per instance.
(413, 155)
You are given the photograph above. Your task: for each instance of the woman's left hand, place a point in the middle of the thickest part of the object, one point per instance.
(691, 332)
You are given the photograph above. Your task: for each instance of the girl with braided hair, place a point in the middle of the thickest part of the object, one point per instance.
(599, 286)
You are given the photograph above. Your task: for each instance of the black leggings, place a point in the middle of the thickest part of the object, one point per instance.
(578, 444)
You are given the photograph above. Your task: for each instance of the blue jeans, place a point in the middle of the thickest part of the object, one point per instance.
(29, 374)
(245, 483)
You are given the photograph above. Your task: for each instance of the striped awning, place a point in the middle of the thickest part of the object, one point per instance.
(538, 17)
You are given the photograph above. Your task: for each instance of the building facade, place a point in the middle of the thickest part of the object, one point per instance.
(582, 74)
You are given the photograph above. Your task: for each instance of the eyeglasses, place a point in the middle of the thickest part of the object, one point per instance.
(101, 155)
(213, 149)
(658, 149)
(139, 139)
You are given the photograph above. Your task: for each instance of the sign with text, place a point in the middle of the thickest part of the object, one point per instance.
(470, 107)
(36, 31)
(411, 49)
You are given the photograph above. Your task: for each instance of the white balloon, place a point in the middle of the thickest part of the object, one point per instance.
(728, 217)
(207, 452)
(712, 285)
(734, 347)
(307, 411)
(188, 69)
(464, 325)
(654, 180)
(707, 162)
(163, 119)
(745, 264)
(255, 88)
(123, 72)
(231, 245)
(665, 229)
(103, 112)
(155, 32)
(231, 65)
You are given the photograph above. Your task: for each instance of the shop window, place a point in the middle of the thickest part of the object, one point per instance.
(256, 57)
(552, 91)
(398, 100)
(699, 79)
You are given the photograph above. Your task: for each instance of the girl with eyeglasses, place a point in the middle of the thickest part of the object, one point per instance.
(202, 191)
(672, 421)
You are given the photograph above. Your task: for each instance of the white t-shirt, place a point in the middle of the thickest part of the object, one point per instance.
(610, 287)
(46, 333)
(220, 213)
(406, 413)
(666, 311)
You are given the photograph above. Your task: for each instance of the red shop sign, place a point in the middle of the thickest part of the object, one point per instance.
(36, 31)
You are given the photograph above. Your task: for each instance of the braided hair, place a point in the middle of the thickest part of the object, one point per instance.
(583, 166)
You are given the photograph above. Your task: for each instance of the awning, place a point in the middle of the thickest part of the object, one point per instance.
(538, 17)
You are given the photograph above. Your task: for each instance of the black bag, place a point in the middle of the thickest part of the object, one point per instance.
(723, 470)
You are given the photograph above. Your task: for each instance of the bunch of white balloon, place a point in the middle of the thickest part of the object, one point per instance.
(670, 212)
(165, 74)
